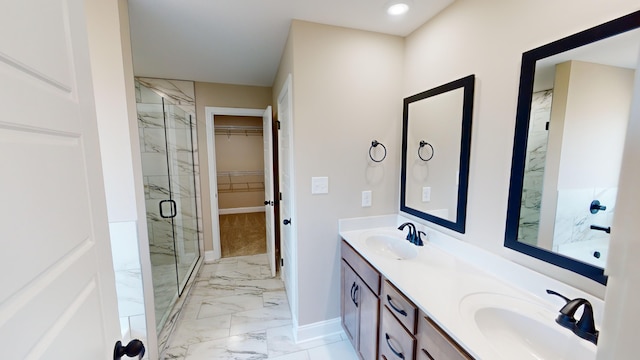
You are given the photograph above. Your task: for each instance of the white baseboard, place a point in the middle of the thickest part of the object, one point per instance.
(209, 256)
(241, 210)
(318, 330)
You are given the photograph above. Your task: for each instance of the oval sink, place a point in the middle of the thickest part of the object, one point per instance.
(519, 329)
(394, 247)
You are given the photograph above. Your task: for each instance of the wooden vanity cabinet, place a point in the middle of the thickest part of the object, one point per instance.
(360, 285)
(435, 344)
(382, 323)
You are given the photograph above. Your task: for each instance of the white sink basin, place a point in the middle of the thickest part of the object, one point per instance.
(519, 329)
(392, 246)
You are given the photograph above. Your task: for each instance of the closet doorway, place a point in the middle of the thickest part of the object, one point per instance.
(240, 157)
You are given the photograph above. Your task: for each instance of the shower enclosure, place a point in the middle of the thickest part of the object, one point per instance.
(168, 163)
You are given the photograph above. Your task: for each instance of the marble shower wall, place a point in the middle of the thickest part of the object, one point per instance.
(573, 217)
(128, 274)
(534, 167)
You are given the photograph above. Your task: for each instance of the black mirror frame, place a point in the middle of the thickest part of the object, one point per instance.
(527, 73)
(468, 85)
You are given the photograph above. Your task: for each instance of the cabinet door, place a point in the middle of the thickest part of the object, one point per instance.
(369, 312)
(349, 305)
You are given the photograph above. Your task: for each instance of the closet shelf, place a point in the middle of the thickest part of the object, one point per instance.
(240, 181)
(238, 130)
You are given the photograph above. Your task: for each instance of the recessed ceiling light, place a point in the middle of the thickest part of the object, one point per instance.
(397, 9)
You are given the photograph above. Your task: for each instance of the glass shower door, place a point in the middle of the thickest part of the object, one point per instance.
(179, 131)
(167, 137)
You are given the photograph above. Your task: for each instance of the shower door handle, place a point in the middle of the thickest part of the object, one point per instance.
(172, 207)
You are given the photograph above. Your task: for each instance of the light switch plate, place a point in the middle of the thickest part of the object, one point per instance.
(366, 198)
(320, 185)
(426, 194)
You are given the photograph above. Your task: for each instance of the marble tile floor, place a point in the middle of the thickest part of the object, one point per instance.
(236, 310)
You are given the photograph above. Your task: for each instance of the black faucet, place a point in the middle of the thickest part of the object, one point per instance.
(585, 327)
(414, 236)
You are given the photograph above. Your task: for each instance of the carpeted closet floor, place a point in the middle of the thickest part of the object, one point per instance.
(243, 234)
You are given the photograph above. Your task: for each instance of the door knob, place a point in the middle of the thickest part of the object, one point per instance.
(134, 348)
(287, 221)
(267, 202)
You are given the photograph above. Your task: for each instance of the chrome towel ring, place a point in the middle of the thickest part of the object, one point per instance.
(422, 144)
(374, 144)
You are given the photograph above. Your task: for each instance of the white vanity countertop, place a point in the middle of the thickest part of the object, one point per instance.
(447, 273)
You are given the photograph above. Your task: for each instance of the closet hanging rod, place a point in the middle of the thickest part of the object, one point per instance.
(238, 128)
(240, 173)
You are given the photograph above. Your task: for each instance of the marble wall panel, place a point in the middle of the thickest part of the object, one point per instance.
(156, 187)
(534, 166)
(154, 164)
(150, 115)
(574, 219)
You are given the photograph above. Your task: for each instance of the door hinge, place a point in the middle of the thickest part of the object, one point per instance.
(546, 126)
(281, 262)
(280, 196)
(278, 123)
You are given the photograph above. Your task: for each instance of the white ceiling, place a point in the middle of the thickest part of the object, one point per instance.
(241, 41)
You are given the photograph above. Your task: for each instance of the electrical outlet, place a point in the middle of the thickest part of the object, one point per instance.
(366, 198)
(320, 185)
(426, 194)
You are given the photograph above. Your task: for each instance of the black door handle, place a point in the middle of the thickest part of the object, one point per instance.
(267, 202)
(173, 209)
(286, 221)
(135, 347)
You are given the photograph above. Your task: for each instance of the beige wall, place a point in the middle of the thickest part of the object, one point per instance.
(220, 95)
(346, 93)
(487, 38)
(595, 124)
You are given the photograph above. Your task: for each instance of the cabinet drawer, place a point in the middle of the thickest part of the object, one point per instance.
(396, 343)
(366, 272)
(435, 344)
(399, 306)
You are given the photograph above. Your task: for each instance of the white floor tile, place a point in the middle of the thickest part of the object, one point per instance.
(337, 351)
(237, 311)
(246, 346)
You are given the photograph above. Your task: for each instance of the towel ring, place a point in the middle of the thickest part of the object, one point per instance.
(422, 144)
(375, 143)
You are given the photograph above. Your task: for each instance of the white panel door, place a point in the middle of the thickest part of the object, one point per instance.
(267, 136)
(57, 293)
(288, 226)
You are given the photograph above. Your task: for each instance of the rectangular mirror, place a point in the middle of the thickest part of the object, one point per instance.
(436, 140)
(573, 109)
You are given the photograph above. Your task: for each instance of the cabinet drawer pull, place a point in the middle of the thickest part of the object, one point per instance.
(397, 309)
(396, 353)
(427, 354)
(355, 295)
(353, 298)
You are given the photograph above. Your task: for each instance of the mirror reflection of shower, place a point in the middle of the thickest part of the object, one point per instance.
(579, 115)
